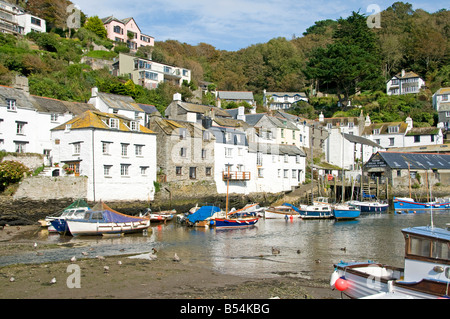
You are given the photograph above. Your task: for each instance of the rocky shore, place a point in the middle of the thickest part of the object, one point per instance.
(120, 277)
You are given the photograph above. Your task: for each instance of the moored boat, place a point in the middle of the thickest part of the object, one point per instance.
(77, 205)
(370, 207)
(104, 220)
(345, 212)
(316, 211)
(284, 211)
(426, 272)
(202, 216)
(408, 205)
(162, 216)
(60, 223)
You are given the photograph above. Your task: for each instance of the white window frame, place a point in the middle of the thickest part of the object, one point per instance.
(107, 170)
(77, 148)
(125, 170)
(124, 149)
(138, 150)
(11, 105)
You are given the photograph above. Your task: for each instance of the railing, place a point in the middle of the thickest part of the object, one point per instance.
(236, 176)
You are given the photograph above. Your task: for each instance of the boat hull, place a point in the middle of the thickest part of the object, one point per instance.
(273, 214)
(233, 223)
(377, 281)
(370, 207)
(86, 228)
(413, 207)
(346, 214)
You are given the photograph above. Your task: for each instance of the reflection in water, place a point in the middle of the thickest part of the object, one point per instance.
(308, 248)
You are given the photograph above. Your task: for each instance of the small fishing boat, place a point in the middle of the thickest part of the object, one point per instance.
(251, 209)
(320, 209)
(77, 205)
(60, 223)
(426, 272)
(104, 220)
(202, 216)
(369, 207)
(284, 211)
(408, 205)
(345, 212)
(162, 216)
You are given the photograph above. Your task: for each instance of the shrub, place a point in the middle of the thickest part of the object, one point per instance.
(12, 172)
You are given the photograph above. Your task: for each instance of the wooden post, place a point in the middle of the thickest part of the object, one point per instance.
(378, 184)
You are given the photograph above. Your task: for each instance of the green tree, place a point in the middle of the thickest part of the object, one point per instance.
(95, 25)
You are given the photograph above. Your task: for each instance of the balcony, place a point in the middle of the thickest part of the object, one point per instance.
(236, 176)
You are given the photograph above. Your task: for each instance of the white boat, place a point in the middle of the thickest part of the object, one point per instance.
(106, 221)
(284, 211)
(370, 207)
(320, 209)
(77, 206)
(162, 216)
(426, 272)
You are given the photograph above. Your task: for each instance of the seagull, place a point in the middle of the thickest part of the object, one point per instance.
(100, 257)
(53, 281)
(119, 262)
(176, 258)
(154, 250)
(73, 259)
(12, 279)
(35, 245)
(275, 251)
(106, 269)
(84, 253)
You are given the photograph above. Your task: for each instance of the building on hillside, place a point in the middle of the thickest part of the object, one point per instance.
(26, 120)
(282, 100)
(399, 169)
(441, 103)
(223, 97)
(302, 124)
(127, 31)
(185, 151)
(402, 134)
(117, 157)
(404, 83)
(348, 125)
(148, 73)
(15, 20)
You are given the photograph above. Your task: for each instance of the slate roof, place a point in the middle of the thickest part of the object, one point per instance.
(276, 149)
(220, 135)
(443, 91)
(415, 160)
(23, 100)
(94, 119)
(383, 127)
(289, 94)
(169, 126)
(360, 140)
(235, 95)
(120, 102)
(198, 108)
(407, 75)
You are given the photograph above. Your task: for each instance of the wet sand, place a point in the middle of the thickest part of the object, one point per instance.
(120, 277)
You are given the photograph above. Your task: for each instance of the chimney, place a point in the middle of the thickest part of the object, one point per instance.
(241, 113)
(409, 121)
(94, 91)
(321, 117)
(177, 97)
(21, 83)
(403, 72)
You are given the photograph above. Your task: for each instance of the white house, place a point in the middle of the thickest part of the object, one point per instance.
(236, 97)
(14, 20)
(26, 120)
(117, 155)
(148, 73)
(441, 103)
(278, 167)
(402, 134)
(117, 104)
(404, 83)
(282, 100)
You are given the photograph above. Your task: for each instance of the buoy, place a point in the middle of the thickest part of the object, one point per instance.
(341, 284)
(334, 277)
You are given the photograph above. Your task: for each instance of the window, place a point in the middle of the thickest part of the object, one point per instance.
(114, 123)
(393, 129)
(20, 147)
(376, 131)
(294, 173)
(138, 150)
(183, 152)
(260, 172)
(259, 158)
(118, 29)
(206, 135)
(124, 169)
(105, 148)
(54, 117)
(11, 105)
(182, 132)
(445, 97)
(282, 133)
(203, 153)
(178, 170)
(432, 138)
(447, 114)
(297, 159)
(144, 170)
(279, 173)
(391, 141)
(192, 172)
(77, 148)
(124, 149)
(286, 173)
(377, 141)
(293, 135)
(36, 21)
(20, 128)
(228, 152)
(208, 171)
(107, 170)
(134, 126)
(286, 158)
(416, 138)
(351, 125)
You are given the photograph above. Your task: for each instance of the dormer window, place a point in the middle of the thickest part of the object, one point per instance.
(114, 123)
(11, 105)
(376, 131)
(393, 129)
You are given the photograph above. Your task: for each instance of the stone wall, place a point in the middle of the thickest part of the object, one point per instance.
(49, 188)
(31, 161)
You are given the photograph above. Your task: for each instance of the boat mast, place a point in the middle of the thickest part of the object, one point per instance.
(228, 185)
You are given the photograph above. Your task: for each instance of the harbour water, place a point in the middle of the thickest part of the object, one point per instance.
(308, 248)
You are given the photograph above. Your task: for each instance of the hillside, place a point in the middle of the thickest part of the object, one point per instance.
(408, 39)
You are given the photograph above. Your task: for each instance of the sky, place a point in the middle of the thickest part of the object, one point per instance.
(232, 25)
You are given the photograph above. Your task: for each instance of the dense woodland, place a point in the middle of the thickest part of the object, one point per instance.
(341, 58)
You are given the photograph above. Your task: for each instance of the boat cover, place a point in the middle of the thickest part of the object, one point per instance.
(112, 216)
(77, 203)
(292, 206)
(203, 213)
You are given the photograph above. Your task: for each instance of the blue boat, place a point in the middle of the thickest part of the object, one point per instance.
(233, 222)
(202, 216)
(345, 212)
(60, 223)
(409, 205)
(370, 207)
